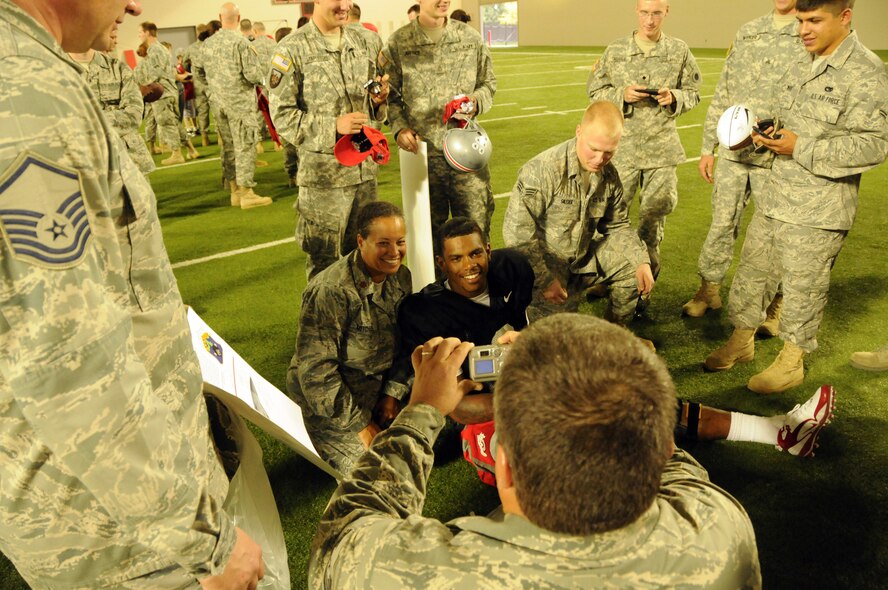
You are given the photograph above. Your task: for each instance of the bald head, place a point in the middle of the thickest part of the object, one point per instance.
(229, 14)
(598, 135)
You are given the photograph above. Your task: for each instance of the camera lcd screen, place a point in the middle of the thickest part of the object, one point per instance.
(483, 367)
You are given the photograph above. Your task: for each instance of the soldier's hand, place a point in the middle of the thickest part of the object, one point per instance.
(508, 337)
(705, 167)
(243, 570)
(555, 293)
(386, 410)
(351, 123)
(644, 278)
(408, 140)
(367, 433)
(782, 144)
(631, 93)
(665, 97)
(436, 365)
(384, 90)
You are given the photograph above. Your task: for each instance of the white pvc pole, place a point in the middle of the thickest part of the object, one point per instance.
(417, 214)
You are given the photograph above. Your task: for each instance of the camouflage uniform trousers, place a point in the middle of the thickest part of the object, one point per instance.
(735, 183)
(138, 151)
(658, 196)
(455, 193)
(202, 105)
(341, 449)
(166, 113)
(326, 229)
(150, 124)
(802, 257)
(612, 269)
(239, 136)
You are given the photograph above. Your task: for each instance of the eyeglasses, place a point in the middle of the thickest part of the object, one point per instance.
(654, 15)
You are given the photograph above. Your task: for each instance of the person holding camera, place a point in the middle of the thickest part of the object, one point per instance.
(593, 491)
(567, 212)
(340, 373)
(317, 84)
(653, 78)
(233, 71)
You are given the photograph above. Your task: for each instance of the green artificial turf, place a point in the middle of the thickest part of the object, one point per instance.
(820, 523)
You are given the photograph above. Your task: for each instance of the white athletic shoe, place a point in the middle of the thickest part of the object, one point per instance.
(802, 424)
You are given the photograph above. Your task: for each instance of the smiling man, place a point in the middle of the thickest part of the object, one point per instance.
(653, 78)
(834, 106)
(347, 340)
(317, 95)
(567, 212)
(109, 477)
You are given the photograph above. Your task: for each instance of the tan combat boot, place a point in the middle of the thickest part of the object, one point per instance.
(235, 194)
(260, 149)
(771, 325)
(706, 297)
(740, 348)
(261, 163)
(250, 200)
(175, 158)
(785, 372)
(871, 361)
(204, 139)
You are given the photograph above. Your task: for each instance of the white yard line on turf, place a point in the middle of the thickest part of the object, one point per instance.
(230, 253)
(534, 108)
(191, 163)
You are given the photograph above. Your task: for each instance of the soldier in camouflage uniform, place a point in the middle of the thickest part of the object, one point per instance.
(347, 341)
(650, 149)
(113, 84)
(762, 51)
(834, 107)
(316, 81)
(109, 477)
(194, 63)
(429, 61)
(159, 68)
(265, 49)
(586, 503)
(568, 214)
(233, 71)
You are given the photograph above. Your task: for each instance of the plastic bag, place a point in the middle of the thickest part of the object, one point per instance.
(250, 503)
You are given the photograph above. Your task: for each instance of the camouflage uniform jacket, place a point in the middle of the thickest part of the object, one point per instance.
(193, 59)
(558, 224)
(107, 472)
(347, 343)
(310, 86)
(233, 71)
(373, 535)
(159, 68)
(840, 113)
(758, 58)
(426, 76)
(113, 84)
(650, 139)
(265, 50)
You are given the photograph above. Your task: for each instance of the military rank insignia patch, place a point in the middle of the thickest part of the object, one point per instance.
(43, 218)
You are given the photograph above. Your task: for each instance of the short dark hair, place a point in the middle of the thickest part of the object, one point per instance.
(370, 212)
(835, 6)
(246, 25)
(149, 27)
(354, 11)
(585, 413)
(281, 33)
(204, 35)
(454, 228)
(460, 15)
(303, 20)
(414, 8)
(214, 26)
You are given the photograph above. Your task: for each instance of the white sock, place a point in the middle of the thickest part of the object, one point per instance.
(753, 429)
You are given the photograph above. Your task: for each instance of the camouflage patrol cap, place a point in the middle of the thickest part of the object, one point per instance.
(353, 149)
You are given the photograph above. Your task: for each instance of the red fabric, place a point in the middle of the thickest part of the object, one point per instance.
(478, 451)
(263, 108)
(353, 149)
(370, 27)
(189, 87)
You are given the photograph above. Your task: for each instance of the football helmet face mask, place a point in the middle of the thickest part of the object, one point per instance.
(467, 149)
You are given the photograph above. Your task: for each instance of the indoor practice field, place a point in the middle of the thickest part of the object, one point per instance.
(820, 522)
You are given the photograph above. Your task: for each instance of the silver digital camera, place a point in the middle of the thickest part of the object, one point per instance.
(486, 362)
